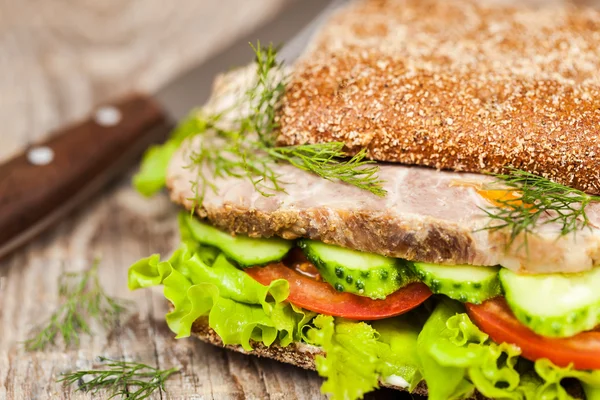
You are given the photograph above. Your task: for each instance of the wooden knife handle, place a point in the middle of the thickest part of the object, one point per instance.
(72, 165)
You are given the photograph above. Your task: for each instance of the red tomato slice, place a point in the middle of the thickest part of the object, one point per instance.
(321, 297)
(497, 320)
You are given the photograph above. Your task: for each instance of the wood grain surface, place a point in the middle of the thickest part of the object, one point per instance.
(58, 59)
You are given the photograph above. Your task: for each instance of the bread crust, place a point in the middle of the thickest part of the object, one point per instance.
(463, 85)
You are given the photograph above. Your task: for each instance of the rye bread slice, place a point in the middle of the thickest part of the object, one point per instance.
(464, 85)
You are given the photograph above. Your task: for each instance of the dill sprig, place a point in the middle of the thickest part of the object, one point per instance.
(320, 159)
(82, 299)
(127, 379)
(537, 201)
(235, 159)
(266, 93)
(247, 149)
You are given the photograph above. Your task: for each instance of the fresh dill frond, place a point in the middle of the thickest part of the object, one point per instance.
(246, 149)
(536, 201)
(82, 300)
(323, 160)
(266, 93)
(130, 380)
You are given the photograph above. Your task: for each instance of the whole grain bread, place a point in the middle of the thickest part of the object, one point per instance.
(304, 356)
(465, 85)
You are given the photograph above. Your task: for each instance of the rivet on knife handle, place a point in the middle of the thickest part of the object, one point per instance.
(39, 186)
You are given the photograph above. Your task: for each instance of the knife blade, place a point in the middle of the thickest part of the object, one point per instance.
(42, 185)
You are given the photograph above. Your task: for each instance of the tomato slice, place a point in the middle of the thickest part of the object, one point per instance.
(495, 318)
(321, 297)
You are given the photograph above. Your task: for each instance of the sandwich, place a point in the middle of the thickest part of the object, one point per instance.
(414, 203)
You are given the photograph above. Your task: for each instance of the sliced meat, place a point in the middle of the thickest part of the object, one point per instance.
(427, 215)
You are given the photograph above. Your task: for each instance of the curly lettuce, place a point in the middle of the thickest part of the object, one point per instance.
(456, 358)
(358, 355)
(238, 308)
(551, 376)
(444, 380)
(350, 367)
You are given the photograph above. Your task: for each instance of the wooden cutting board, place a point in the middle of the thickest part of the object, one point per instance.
(57, 60)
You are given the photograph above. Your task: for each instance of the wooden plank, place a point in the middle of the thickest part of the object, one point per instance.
(57, 61)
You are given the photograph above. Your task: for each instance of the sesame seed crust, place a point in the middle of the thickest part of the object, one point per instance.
(463, 85)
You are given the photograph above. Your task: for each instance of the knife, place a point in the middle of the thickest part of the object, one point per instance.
(50, 179)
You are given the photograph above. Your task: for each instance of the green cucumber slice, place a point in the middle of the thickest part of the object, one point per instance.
(243, 250)
(365, 274)
(466, 283)
(554, 305)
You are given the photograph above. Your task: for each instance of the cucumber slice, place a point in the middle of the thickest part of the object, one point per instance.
(554, 305)
(466, 283)
(243, 250)
(365, 274)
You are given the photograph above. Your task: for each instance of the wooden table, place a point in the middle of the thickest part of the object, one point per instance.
(57, 60)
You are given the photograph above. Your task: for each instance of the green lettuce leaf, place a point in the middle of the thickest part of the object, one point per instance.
(591, 392)
(400, 358)
(153, 169)
(358, 355)
(238, 308)
(443, 381)
(551, 376)
(457, 357)
(351, 364)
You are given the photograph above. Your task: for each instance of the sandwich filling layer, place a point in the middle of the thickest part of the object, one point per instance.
(465, 337)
